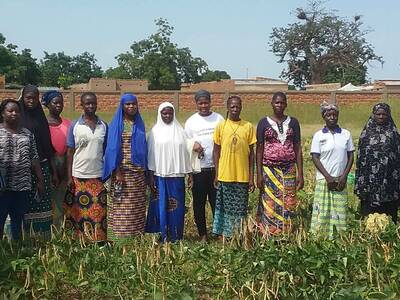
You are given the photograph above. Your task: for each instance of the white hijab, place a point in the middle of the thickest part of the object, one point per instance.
(168, 147)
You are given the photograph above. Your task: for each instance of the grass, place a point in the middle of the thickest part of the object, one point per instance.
(356, 265)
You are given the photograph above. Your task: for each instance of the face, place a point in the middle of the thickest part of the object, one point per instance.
(203, 105)
(331, 118)
(89, 105)
(234, 108)
(56, 106)
(279, 105)
(381, 116)
(11, 113)
(130, 108)
(167, 115)
(31, 100)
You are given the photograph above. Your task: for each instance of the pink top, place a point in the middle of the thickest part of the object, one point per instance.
(59, 136)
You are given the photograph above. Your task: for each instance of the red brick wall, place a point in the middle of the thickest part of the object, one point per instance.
(108, 101)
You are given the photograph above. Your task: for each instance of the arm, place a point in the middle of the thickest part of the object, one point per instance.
(70, 158)
(299, 162)
(259, 166)
(54, 173)
(251, 168)
(39, 175)
(216, 156)
(343, 178)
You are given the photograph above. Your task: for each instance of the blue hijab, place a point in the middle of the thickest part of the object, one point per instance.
(113, 153)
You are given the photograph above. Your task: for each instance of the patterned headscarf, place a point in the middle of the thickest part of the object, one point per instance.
(325, 107)
(378, 162)
(202, 93)
(50, 95)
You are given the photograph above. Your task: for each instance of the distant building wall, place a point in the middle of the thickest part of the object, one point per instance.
(184, 100)
(323, 87)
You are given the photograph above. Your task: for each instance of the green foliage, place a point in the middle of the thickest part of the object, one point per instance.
(59, 69)
(161, 62)
(216, 75)
(322, 44)
(18, 68)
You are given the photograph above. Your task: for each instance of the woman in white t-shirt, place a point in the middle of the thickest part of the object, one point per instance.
(200, 128)
(332, 152)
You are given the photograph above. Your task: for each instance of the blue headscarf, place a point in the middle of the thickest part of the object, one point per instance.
(50, 95)
(113, 153)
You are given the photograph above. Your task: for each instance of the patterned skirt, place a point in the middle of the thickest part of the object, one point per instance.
(86, 209)
(39, 216)
(278, 202)
(127, 215)
(329, 210)
(230, 208)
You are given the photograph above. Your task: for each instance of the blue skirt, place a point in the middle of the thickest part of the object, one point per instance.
(167, 211)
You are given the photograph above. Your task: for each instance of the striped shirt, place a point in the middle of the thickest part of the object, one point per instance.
(17, 151)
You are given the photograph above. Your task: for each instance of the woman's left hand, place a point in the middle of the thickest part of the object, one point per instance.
(251, 186)
(299, 182)
(341, 183)
(55, 180)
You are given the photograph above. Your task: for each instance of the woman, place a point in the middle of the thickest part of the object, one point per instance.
(169, 162)
(39, 216)
(18, 156)
(233, 153)
(54, 101)
(125, 160)
(378, 164)
(332, 152)
(278, 156)
(86, 205)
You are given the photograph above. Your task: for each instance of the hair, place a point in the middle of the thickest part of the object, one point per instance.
(4, 104)
(279, 94)
(85, 94)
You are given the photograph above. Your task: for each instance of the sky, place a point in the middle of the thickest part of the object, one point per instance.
(229, 35)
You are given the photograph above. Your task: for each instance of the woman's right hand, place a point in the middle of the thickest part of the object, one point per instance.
(331, 183)
(216, 182)
(70, 183)
(260, 183)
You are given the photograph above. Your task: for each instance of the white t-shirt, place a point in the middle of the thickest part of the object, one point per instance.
(332, 148)
(201, 129)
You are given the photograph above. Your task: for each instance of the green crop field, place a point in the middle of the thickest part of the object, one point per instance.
(355, 265)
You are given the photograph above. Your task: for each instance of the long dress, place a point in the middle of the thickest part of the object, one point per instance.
(278, 203)
(127, 212)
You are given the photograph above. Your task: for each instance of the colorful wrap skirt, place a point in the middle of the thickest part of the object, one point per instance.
(85, 209)
(230, 208)
(329, 210)
(166, 212)
(39, 219)
(278, 203)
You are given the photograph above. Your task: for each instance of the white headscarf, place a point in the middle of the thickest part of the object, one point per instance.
(168, 150)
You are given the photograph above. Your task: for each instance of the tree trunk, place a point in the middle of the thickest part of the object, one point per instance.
(317, 73)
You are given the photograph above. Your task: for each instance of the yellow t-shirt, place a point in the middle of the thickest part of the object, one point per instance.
(234, 139)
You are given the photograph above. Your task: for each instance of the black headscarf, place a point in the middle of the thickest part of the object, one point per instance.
(35, 120)
(202, 93)
(378, 162)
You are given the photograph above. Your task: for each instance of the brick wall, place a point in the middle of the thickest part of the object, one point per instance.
(108, 101)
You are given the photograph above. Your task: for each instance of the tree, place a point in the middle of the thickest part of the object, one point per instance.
(160, 61)
(18, 68)
(59, 69)
(322, 46)
(216, 75)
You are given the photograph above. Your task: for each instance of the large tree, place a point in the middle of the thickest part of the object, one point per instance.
(59, 69)
(160, 61)
(322, 47)
(18, 67)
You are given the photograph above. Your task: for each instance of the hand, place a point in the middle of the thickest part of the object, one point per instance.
(341, 184)
(190, 181)
(331, 183)
(119, 178)
(40, 187)
(197, 147)
(70, 184)
(251, 186)
(260, 183)
(216, 182)
(55, 180)
(299, 182)
(153, 188)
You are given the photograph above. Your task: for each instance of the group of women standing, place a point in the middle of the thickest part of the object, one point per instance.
(59, 169)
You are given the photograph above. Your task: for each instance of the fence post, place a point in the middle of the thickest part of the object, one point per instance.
(176, 101)
(72, 101)
(333, 98)
(226, 96)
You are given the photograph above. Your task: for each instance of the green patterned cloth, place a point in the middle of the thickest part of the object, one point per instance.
(329, 210)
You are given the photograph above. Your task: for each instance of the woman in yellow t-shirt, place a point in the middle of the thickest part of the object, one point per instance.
(234, 160)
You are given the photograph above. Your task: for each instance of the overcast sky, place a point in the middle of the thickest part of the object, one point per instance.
(229, 35)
